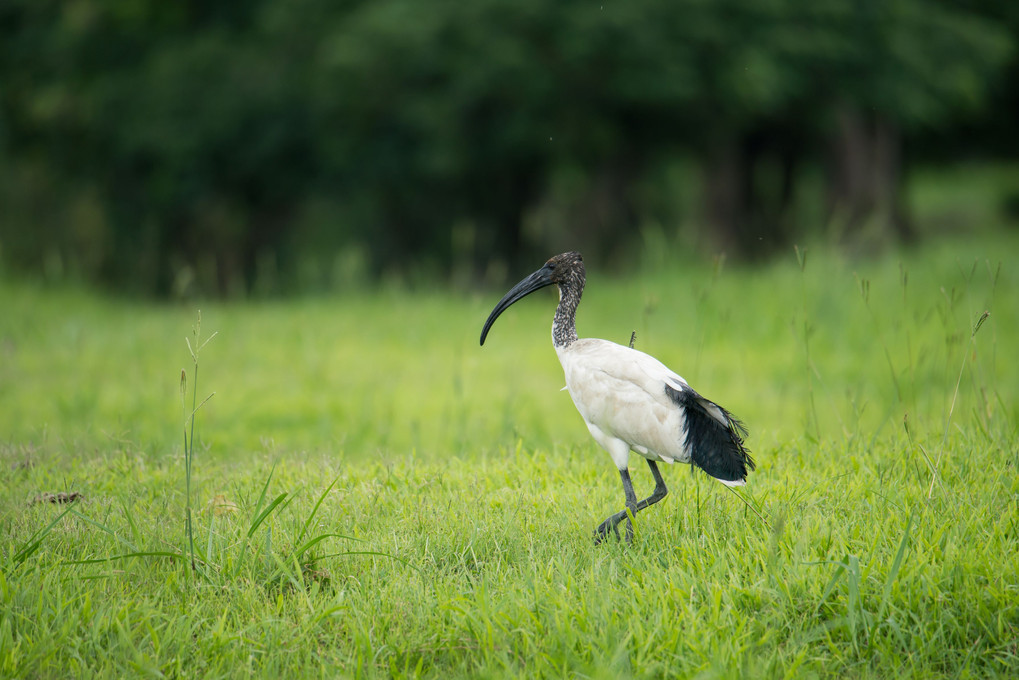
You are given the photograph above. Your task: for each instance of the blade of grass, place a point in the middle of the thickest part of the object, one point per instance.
(318, 539)
(265, 513)
(141, 553)
(258, 510)
(373, 553)
(314, 510)
(955, 395)
(102, 527)
(853, 604)
(35, 541)
(893, 573)
(831, 583)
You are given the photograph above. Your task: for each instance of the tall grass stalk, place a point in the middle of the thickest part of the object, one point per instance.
(189, 426)
(801, 260)
(967, 350)
(864, 287)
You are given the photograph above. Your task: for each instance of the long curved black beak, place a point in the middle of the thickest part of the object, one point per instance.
(539, 279)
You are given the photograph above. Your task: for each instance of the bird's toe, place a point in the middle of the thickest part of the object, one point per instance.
(602, 532)
(612, 525)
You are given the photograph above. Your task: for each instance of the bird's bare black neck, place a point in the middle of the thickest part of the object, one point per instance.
(564, 325)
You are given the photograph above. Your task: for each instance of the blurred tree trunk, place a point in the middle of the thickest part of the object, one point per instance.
(604, 217)
(498, 202)
(865, 177)
(749, 185)
(726, 195)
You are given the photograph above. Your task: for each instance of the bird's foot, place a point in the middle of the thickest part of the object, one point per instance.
(612, 524)
(602, 532)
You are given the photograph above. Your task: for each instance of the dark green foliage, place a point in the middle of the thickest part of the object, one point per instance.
(278, 144)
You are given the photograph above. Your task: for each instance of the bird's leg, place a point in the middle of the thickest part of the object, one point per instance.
(612, 522)
(660, 492)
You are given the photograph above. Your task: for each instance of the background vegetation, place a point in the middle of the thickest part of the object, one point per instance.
(175, 148)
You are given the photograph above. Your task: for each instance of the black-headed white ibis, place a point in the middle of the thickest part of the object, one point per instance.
(631, 401)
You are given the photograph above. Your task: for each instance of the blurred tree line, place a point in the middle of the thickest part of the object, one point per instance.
(165, 145)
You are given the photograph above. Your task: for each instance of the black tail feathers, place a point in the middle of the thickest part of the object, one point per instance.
(715, 446)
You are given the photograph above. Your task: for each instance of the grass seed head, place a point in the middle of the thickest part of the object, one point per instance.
(980, 322)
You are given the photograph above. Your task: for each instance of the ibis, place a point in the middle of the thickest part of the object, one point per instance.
(630, 401)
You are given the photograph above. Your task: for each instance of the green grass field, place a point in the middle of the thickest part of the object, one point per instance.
(375, 495)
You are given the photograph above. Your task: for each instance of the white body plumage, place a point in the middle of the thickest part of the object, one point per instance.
(620, 393)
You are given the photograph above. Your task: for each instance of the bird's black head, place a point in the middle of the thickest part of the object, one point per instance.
(565, 270)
